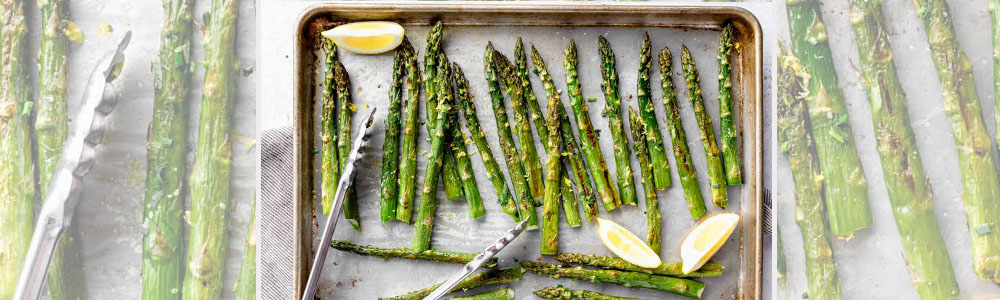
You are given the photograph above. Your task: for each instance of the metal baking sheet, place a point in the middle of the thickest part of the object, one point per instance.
(549, 27)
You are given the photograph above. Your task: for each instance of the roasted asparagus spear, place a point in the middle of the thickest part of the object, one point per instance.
(654, 140)
(715, 172)
(529, 157)
(435, 255)
(727, 120)
(561, 293)
(390, 149)
(679, 286)
(428, 196)
(613, 263)
(682, 154)
(613, 111)
(641, 151)
(408, 153)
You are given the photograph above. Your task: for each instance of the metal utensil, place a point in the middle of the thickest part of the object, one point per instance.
(346, 178)
(99, 99)
(477, 262)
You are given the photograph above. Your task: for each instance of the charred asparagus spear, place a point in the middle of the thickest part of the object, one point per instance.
(246, 281)
(561, 293)
(613, 111)
(163, 205)
(532, 167)
(330, 166)
(553, 181)
(682, 154)
(208, 236)
(428, 196)
(588, 139)
(516, 171)
(846, 191)
(534, 108)
(492, 277)
(910, 192)
(452, 182)
(641, 150)
(715, 172)
(435, 255)
(457, 140)
(613, 263)
(408, 153)
(17, 173)
(468, 105)
(727, 122)
(501, 294)
(679, 286)
(345, 109)
(654, 140)
(796, 142)
(390, 149)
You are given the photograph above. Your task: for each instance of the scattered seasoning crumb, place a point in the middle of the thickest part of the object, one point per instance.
(365, 106)
(105, 29)
(72, 32)
(379, 86)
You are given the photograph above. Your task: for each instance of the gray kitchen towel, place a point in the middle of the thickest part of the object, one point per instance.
(277, 214)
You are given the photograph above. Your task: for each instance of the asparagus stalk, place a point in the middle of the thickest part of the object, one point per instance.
(163, 205)
(457, 140)
(995, 12)
(571, 155)
(553, 181)
(17, 173)
(501, 294)
(330, 166)
(452, 182)
(679, 286)
(534, 108)
(796, 142)
(727, 122)
(390, 149)
(246, 281)
(715, 172)
(641, 151)
(468, 105)
(435, 255)
(613, 263)
(532, 167)
(588, 139)
(208, 236)
(408, 154)
(846, 191)
(654, 140)
(428, 197)
(613, 111)
(514, 167)
(910, 192)
(780, 266)
(682, 154)
(561, 293)
(492, 277)
(345, 109)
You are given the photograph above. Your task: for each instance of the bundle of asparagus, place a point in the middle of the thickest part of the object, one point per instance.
(682, 154)
(613, 111)
(428, 196)
(449, 173)
(513, 85)
(456, 139)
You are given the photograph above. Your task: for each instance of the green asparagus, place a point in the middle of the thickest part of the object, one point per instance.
(715, 172)
(246, 281)
(516, 171)
(561, 293)
(390, 149)
(796, 142)
(492, 277)
(464, 163)
(532, 167)
(588, 139)
(641, 150)
(679, 286)
(553, 182)
(682, 154)
(408, 154)
(534, 108)
(345, 109)
(468, 105)
(995, 13)
(727, 122)
(654, 140)
(428, 196)
(208, 236)
(780, 266)
(17, 173)
(613, 263)
(846, 191)
(435, 255)
(613, 111)
(163, 205)
(452, 183)
(501, 294)
(330, 166)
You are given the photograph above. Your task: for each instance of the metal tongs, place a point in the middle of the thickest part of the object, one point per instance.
(79, 151)
(346, 178)
(477, 262)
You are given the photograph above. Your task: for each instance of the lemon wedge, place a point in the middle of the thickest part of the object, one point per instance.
(626, 245)
(370, 37)
(705, 239)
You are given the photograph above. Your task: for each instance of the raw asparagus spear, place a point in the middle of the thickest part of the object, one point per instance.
(435, 255)
(682, 154)
(846, 191)
(641, 150)
(390, 149)
(727, 122)
(246, 281)
(679, 286)
(516, 170)
(492, 277)
(613, 111)
(532, 167)
(428, 197)
(501, 294)
(910, 192)
(572, 155)
(715, 172)
(17, 173)
(588, 139)
(330, 166)
(345, 109)
(408, 154)
(208, 236)
(613, 263)
(796, 142)
(654, 140)
(457, 140)
(561, 293)
(163, 204)
(553, 181)
(468, 105)
(452, 183)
